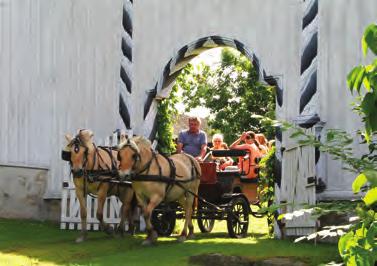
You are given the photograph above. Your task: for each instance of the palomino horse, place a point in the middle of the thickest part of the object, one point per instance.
(92, 167)
(156, 178)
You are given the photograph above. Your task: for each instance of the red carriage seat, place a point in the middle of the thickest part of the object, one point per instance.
(209, 175)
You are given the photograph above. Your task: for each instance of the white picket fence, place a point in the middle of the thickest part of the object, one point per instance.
(70, 207)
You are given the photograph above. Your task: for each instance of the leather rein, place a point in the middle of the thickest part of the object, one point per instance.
(93, 175)
(170, 180)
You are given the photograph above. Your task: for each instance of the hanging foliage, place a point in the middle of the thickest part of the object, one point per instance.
(266, 185)
(232, 93)
(166, 114)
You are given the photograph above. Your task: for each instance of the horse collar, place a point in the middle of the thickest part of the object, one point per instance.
(148, 164)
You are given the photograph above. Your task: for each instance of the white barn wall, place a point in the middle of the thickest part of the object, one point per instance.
(59, 65)
(342, 24)
(60, 61)
(272, 31)
(266, 29)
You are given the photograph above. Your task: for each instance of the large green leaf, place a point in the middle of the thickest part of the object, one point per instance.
(343, 243)
(359, 80)
(372, 79)
(369, 108)
(359, 181)
(370, 38)
(371, 175)
(370, 197)
(355, 78)
(364, 45)
(372, 234)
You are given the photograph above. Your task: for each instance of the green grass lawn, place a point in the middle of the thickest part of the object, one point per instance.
(37, 243)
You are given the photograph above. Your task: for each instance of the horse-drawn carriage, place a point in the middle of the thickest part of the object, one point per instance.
(223, 195)
(159, 183)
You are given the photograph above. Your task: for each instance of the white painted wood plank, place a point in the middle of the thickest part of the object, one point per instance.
(71, 226)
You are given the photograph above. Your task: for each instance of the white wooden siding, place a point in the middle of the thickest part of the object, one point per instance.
(59, 71)
(298, 165)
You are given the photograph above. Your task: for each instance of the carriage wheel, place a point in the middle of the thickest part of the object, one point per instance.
(163, 222)
(205, 224)
(238, 218)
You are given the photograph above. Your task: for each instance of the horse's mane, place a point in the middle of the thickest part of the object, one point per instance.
(142, 141)
(135, 142)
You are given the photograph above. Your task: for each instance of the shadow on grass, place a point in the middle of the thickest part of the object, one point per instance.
(27, 242)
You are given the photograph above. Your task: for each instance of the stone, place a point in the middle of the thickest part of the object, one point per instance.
(219, 260)
(226, 260)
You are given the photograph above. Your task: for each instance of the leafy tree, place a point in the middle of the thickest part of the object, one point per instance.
(232, 93)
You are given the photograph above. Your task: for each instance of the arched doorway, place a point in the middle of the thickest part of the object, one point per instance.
(178, 62)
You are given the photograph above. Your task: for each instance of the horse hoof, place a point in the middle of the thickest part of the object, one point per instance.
(154, 236)
(109, 230)
(119, 231)
(181, 239)
(80, 239)
(146, 243)
(130, 231)
(192, 236)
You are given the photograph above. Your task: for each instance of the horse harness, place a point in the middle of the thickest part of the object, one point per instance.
(170, 180)
(93, 175)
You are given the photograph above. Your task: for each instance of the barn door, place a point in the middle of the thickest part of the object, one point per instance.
(298, 183)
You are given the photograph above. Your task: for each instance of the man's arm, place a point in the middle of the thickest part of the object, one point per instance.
(203, 150)
(180, 143)
(238, 141)
(203, 147)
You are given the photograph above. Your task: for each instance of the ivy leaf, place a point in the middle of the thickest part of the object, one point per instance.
(359, 181)
(370, 39)
(370, 196)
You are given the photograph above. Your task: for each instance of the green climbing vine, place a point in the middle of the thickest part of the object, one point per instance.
(166, 114)
(266, 185)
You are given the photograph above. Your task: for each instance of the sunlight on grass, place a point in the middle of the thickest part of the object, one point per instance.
(15, 259)
(37, 243)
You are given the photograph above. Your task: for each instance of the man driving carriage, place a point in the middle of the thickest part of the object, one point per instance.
(193, 140)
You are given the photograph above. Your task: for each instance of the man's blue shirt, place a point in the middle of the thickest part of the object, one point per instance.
(192, 142)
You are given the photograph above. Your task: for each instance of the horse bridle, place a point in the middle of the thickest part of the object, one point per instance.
(66, 155)
(136, 158)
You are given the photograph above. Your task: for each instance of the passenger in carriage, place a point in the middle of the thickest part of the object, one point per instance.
(193, 140)
(263, 143)
(248, 165)
(270, 144)
(219, 144)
